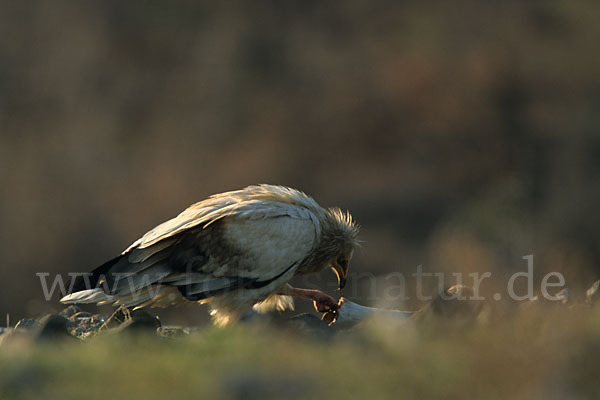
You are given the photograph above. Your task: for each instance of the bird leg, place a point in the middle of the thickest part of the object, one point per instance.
(321, 300)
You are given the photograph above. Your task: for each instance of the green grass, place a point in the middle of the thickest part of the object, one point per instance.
(539, 353)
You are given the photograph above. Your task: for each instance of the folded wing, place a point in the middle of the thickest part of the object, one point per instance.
(254, 246)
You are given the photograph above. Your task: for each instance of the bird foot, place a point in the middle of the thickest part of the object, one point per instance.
(324, 302)
(321, 300)
(331, 315)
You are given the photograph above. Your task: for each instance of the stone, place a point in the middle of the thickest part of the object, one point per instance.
(28, 324)
(54, 327)
(70, 311)
(140, 321)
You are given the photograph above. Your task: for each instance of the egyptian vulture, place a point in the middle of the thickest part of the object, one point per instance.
(234, 250)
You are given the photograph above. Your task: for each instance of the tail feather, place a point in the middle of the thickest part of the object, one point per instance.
(87, 282)
(132, 283)
(86, 296)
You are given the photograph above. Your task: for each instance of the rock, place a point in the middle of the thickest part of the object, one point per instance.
(54, 327)
(84, 325)
(140, 321)
(70, 311)
(28, 325)
(80, 315)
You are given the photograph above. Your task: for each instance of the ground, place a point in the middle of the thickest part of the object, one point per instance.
(537, 352)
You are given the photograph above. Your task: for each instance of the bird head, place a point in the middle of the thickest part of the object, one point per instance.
(343, 231)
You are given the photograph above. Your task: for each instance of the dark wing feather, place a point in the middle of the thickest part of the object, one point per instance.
(138, 268)
(178, 263)
(131, 283)
(92, 279)
(212, 287)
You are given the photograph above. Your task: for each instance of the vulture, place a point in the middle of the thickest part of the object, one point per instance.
(234, 251)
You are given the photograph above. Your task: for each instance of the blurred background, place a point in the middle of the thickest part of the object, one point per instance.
(462, 137)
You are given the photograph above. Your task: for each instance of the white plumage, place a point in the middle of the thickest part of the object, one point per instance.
(233, 250)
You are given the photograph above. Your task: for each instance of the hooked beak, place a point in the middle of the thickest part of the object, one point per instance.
(341, 270)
